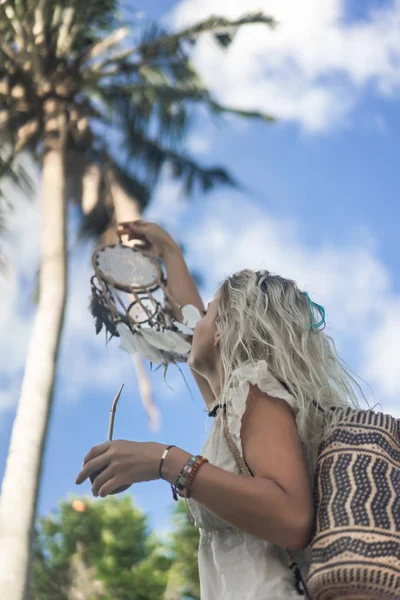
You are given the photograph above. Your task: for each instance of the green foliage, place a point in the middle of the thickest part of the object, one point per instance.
(112, 541)
(117, 557)
(126, 93)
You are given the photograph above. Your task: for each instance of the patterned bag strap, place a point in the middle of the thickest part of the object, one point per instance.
(300, 584)
(241, 463)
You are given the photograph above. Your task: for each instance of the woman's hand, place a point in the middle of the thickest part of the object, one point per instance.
(154, 239)
(119, 464)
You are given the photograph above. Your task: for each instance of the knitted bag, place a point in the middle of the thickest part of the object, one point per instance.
(355, 548)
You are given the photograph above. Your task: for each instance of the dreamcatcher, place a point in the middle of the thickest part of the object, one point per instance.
(131, 300)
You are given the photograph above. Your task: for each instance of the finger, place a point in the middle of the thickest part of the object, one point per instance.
(96, 451)
(101, 479)
(97, 464)
(137, 236)
(127, 225)
(123, 225)
(134, 233)
(109, 487)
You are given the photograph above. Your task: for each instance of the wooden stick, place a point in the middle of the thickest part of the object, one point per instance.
(112, 414)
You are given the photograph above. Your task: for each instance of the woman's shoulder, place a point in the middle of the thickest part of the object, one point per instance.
(258, 374)
(243, 378)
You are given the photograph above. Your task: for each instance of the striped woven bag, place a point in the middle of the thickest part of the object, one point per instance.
(355, 550)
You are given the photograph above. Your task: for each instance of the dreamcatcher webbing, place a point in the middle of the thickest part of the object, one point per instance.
(159, 336)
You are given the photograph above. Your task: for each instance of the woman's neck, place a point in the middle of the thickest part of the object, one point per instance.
(214, 378)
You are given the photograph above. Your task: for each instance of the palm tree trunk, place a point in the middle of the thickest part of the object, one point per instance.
(20, 486)
(84, 584)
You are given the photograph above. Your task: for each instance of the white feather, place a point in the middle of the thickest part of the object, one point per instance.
(177, 343)
(183, 328)
(191, 315)
(155, 338)
(127, 340)
(167, 340)
(147, 350)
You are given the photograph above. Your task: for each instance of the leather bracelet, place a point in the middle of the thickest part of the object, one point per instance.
(182, 478)
(163, 457)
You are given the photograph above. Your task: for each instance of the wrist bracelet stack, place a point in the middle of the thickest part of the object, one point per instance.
(186, 476)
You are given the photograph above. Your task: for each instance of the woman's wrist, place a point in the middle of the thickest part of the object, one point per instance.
(171, 249)
(173, 464)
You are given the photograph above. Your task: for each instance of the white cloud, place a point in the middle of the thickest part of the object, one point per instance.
(383, 351)
(311, 69)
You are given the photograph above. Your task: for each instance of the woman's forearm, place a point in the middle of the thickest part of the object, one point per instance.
(180, 282)
(256, 505)
(184, 291)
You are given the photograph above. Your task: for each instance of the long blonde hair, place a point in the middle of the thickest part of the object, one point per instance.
(262, 316)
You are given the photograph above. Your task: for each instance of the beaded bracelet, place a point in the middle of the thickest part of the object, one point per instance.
(181, 484)
(192, 475)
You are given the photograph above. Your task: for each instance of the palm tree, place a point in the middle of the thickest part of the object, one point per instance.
(76, 86)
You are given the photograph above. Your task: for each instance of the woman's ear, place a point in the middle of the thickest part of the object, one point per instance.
(217, 339)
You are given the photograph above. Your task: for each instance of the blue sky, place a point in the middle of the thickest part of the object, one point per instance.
(320, 205)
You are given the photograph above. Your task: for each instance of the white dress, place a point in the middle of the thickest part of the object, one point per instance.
(234, 565)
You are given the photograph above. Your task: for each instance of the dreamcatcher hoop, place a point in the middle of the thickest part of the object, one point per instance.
(139, 270)
(144, 323)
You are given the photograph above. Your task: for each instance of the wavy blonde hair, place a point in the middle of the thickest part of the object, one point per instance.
(261, 316)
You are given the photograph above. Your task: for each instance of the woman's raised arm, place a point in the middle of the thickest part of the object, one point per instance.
(181, 284)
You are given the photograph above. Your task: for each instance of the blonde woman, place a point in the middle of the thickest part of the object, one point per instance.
(264, 365)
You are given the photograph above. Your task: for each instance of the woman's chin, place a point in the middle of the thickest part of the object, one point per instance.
(190, 359)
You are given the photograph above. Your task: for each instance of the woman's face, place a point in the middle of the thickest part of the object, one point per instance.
(204, 350)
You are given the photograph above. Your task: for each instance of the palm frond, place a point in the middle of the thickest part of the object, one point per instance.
(101, 46)
(167, 43)
(8, 13)
(12, 169)
(169, 95)
(149, 155)
(76, 55)
(216, 107)
(145, 110)
(91, 22)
